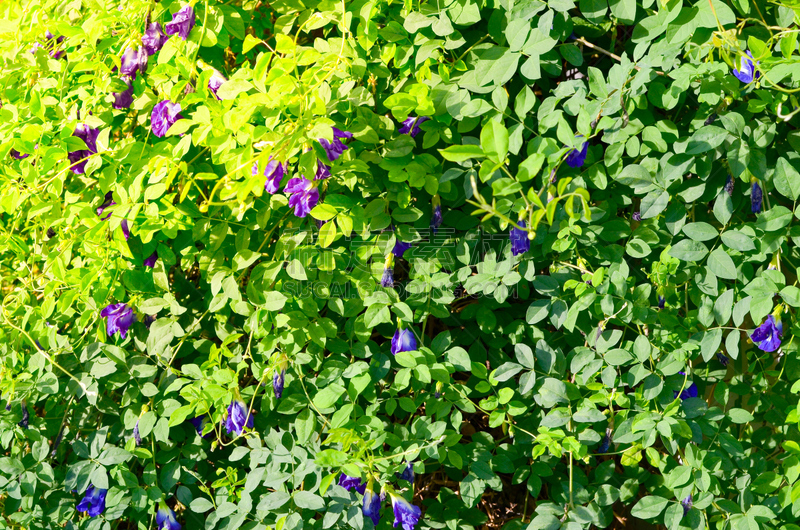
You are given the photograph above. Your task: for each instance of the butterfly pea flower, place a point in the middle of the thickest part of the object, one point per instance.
(148, 320)
(729, 185)
(352, 483)
(216, 81)
(756, 196)
(690, 392)
(372, 505)
(405, 513)
(153, 39)
(767, 336)
(605, 443)
(151, 261)
(335, 148)
(165, 517)
(199, 423)
(403, 340)
(25, 416)
(400, 248)
(746, 72)
(133, 61)
(108, 202)
(438, 393)
(164, 115)
(93, 502)
(436, 216)
(137, 437)
(637, 216)
(723, 359)
(661, 302)
(411, 125)
(78, 158)
(278, 380)
(239, 417)
(576, 158)
(274, 172)
(687, 505)
(520, 244)
(124, 100)
(323, 171)
(387, 280)
(711, 119)
(126, 231)
(182, 22)
(119, 317)
(408, 473)
(304, 196)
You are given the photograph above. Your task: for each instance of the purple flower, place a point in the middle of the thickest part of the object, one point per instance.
(690, 392)
(387, 280)
(335, 149)
(755, 198)
(278, 380)
(723, 359)
(148, 320)
(606, 443)
(199, 424)
(304, 196)
(119, 317)
(405, 513)
(125, 230)
(239, 418)
(746, 69)
(575, 158)
(133, 61)
(165, 113)
(107, 203)
(124, 99)
(182, 22)
(400, 248)
(78, 158)
(520, 243)
(151, 261)
(154, 38)
(637, 216)
(93, 502)
(137, 438)
(216, 81)
(19, 156)
(436, 218)
(411, 125)
(274, 172)
(26, 416)
(53, 53)
(165, 518)
(729, 185)
(408, 473)
(661, 302)
(323, 171)
(403, 340)
(687, 505)
(372, 505)
(767, 336)
(352, 483)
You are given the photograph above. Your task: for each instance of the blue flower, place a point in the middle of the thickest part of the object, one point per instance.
(94, 502)
(352, 483)
(239, 418)
(274, 172)
(25, 417)
(133, 61)
(278, 380)
(723, 359)
(151, 261)
(408, 473)
(137, 438)
(637, 216)
(199, 424)
(436, 217)
(335, 149)
(687, 505)
(182, 23)
(165, 518)
(400, 248)
(323, 171)
(767, 336)
(372, 505)
(403, 340)
(119, 317)
(411, 125)
(746, 69)
(756, 195)
(520, 243)
(154, 38)
(405, 513)
(690, 392)
(164, 115)
(606, 443)
(575, 158)
(387, 280)
(304, 196)
(729, 186)
(661, 302)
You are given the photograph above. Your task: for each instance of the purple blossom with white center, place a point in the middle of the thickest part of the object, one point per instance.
(93, 502)
(400, 248)
(576, 158)
(690, 392)
(520, 243)
(274, 171)
(137, 437)
(729, 185)
(278, 380)
(124, 99)
(133, 61)
(199, 423)
(403, 340)
(153, 39)
(323, 171)
(119, 317)
(637, 216)
(216, 81)
(151, 260)
(335, 149)
(352, 483)
(687, 505)
(756, 195)
(164, 114)
(436, 218)
(79, 158)
(387, 280)
(405, 513)
(108, 202)
(605, 443)
(746, 69)
(372, 505)
(182, 22)
(165, 518)
(411, 125)
(239, 418)
(304, 196)
(767, 336)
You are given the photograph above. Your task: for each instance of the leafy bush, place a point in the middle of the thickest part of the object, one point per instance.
(336, 264)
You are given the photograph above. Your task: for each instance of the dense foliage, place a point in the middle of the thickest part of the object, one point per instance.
(437, 264)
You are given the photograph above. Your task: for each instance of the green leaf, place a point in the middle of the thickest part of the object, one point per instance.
(786, 179)
(688, 250)
(461, 153)
(494, 141)
(722, 265)
(649, 507)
